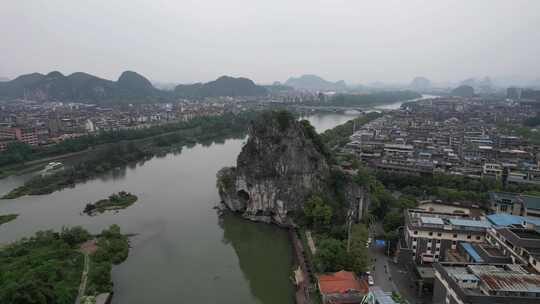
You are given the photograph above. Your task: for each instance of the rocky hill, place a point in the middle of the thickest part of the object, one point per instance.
(223, 86)
(420, 84)
(315, 83)
(79, 86)
(282, 163)
(463, 91)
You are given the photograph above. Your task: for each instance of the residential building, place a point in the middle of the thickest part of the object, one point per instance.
(463, 283)
(430, 235)
(522, 244)
(515, 203)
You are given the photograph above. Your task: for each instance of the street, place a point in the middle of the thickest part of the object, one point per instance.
(390, 276)
(379, 269)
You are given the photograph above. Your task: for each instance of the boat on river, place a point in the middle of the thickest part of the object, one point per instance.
(52, 168)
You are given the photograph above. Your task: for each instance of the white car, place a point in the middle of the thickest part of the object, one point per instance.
(370, 281)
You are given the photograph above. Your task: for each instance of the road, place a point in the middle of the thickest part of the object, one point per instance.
(390, 276)
(379, 269)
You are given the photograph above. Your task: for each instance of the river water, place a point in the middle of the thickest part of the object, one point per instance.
(183, 252)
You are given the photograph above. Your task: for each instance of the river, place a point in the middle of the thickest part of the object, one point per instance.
(397, 105)
(183, 252)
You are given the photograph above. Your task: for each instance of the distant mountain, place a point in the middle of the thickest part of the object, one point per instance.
(223, 86)
(78, 86)
(277, 87)
(463, 91)
(420, 84)
(315, 83)
(468, 82)
(133, 84)
(481, 86)
(166, 86)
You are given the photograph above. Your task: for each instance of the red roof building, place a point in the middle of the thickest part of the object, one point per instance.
(342, 287)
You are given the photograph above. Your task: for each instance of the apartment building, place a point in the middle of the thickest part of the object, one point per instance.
(429, 236)
(463, 283)
(515, 203)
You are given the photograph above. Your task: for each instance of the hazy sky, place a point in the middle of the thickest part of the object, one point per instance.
(359, 41)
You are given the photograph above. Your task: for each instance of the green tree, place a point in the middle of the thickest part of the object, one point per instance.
(331, 256)
(317, 212)
(358, 251)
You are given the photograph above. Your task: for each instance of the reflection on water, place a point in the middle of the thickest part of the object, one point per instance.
(181, 254)
(261, 248)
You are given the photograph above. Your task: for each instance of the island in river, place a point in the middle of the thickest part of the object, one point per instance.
(117, 201)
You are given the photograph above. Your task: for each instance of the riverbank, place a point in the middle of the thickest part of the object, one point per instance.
(56, 264)
(13, 161)
(6, 218)
(110, 156)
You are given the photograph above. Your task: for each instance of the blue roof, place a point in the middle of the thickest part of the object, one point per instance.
(470, 223)
(505, 219)
(471, 252)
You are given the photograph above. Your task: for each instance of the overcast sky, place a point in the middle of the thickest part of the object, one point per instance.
(359, 41)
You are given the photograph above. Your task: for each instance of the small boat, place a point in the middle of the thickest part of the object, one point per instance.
(52, 167)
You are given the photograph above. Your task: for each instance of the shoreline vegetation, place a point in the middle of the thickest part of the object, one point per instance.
(6, 218)
(18, 155)
(132, 146)
(117, 201)
(48, 266)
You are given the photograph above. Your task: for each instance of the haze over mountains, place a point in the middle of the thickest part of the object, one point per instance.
(134, 87)
(84, 87)
(310, 82)
(223, 86)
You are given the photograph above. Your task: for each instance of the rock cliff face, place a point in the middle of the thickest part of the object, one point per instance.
(282, 163)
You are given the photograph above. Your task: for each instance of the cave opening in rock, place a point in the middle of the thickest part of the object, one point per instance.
(242, 194)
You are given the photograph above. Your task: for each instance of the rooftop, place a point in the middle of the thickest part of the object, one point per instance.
(471, 252)
(526, 233)
(506, 279)
(503, 219)
(341, 282)
(469, 223)
(530, 201)
(448, 221)
(497, 280)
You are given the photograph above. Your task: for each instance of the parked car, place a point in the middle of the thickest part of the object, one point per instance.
(370, 280)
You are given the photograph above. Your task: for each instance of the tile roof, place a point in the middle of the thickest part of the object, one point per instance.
(514, 282)
(341, 282)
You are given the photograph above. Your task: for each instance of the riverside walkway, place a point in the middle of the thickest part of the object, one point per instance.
(303, 287)
(84, 278)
